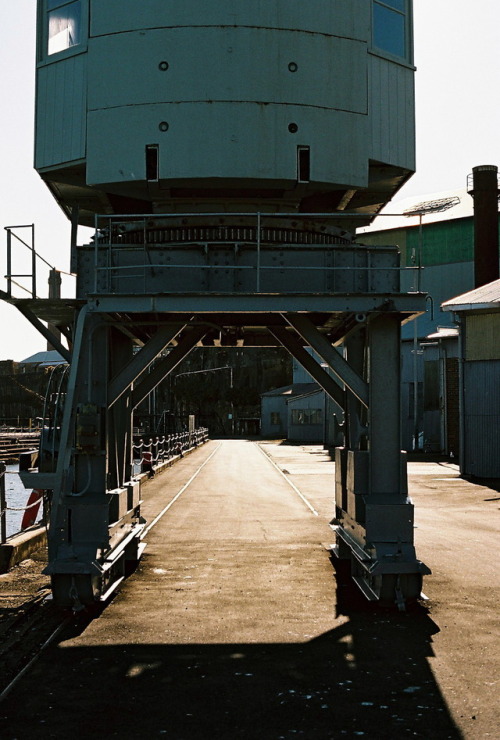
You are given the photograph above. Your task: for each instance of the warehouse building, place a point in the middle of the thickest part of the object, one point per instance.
(443, 254)
(479, 316)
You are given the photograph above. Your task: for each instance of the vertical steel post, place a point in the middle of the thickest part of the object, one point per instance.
(385, 404)
(420, 250)
(415, 385)
(33, 262)
(9, 262)
(96, 253)
(3, 505)
(355, 355)
(258, 250)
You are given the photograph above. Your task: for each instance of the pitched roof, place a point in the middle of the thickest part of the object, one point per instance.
(444, 332)
(455, 203)
(297, 389)
(312, 392)
(49, 357)
(485, 297)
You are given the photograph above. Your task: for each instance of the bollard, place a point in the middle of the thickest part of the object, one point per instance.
(147, 462)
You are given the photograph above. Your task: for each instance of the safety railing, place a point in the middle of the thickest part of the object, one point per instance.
(18, 424)
(113, 235)
(153, 452)
(22, 255)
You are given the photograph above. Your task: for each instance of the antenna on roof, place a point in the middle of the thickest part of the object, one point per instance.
(433, 206)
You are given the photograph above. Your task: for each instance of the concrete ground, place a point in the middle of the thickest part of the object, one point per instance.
(235, 624)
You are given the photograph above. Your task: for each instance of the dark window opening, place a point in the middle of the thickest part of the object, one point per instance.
(152, 167)
(303, 164)
(307, 416)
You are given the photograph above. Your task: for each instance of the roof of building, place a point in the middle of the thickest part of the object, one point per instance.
(296, 389)
(444, 332)
(444, 206)
(313, 392)
(49, 357)
(485, 297)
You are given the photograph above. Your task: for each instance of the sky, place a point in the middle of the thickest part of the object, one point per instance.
(458, 127)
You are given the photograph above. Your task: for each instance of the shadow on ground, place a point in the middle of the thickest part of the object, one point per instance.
(368, 677)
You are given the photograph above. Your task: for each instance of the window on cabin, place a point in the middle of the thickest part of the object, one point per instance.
(391, 31)
(64, 25)
(307, 416)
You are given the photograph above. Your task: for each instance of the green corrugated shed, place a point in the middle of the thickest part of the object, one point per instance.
(443, 242)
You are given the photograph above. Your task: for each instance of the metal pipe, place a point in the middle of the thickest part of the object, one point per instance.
(415, 385)
(461, 392)
(9, 262)
(420, 247)
(33, 262)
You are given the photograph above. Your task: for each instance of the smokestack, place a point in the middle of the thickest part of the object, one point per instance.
(485, 193)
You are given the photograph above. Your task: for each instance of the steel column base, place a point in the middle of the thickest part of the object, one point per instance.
(394, 580)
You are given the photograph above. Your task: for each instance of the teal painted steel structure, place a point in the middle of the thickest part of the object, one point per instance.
(162, 107)
(169, 116)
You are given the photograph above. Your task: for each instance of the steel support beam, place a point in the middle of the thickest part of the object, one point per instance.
(200, 303)
(119, 418)
(355, 344)
(169, 363)
(294, 346)
(324, 349)
(45, 332)
(141, 361)
(384, 347)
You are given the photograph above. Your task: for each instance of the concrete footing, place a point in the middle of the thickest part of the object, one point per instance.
(20, 546)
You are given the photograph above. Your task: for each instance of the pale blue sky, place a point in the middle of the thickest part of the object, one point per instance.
(458, 123)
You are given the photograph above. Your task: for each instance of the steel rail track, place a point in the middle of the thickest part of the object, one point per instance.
(29, 633)
(37, 623)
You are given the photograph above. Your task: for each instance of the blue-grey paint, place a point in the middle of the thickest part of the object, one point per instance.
(481, 418)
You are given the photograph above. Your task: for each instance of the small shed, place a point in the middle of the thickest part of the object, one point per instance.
(479, 316)
(46, 358)
(274, 410)
(306, 416)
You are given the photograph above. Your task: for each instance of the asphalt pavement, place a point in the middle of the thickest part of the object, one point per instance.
(236, 625)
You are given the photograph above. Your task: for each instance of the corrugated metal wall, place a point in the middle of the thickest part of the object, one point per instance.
(61, 111)
(442, 282)
(482, 337)
(307, 432)
(444, 242)
(391, 88)
(482, 419)
(273, 408)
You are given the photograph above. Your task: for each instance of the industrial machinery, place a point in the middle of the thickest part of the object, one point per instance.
(225, 153)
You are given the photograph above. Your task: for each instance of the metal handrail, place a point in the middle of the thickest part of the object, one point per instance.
(155, 451)
(104, 225)
(11, 234)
